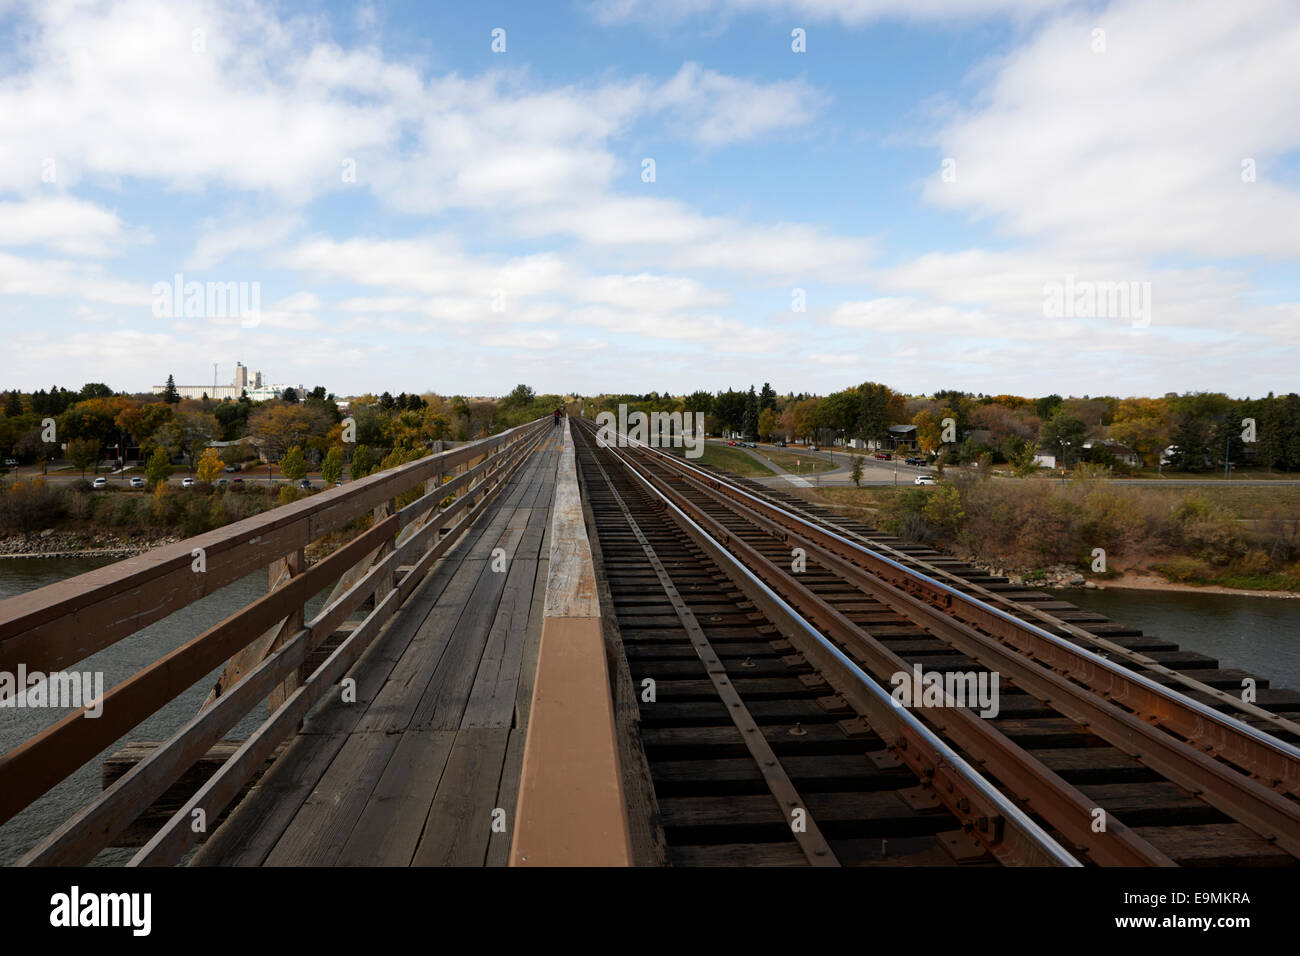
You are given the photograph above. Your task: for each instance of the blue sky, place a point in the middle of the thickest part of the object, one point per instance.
(419, 212)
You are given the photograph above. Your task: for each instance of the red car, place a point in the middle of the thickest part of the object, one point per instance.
(884, 457)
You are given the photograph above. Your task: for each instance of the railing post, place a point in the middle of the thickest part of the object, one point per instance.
(279, 574)
(386, 583)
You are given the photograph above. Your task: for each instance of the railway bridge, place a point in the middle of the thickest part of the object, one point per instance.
(535, 649)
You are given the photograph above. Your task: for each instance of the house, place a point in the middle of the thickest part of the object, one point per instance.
(1122, 453)
(1045, 459)
(253, 444)
(902, 437)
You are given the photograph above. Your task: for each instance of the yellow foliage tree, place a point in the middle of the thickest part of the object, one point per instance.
(209, 466)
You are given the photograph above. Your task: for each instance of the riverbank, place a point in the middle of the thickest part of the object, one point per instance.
(81, 544)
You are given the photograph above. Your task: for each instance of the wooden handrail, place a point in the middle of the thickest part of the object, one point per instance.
(57, 625)
(32, 768)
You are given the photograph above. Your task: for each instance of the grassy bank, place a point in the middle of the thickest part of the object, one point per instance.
(1238, 537)
(727, 458)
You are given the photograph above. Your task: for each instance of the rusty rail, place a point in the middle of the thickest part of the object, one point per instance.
(1002, 641)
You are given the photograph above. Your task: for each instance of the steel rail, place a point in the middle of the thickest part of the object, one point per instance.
(816, 850)
(1277, 721)
(986, 813)
(1267, 812)
(1263, 756)
(1045, 792)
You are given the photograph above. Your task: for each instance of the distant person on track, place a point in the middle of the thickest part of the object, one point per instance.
(557, 418)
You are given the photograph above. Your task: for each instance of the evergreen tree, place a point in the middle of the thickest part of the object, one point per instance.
(750, 421)
(170, 395)
(766, 397)
(14, 404)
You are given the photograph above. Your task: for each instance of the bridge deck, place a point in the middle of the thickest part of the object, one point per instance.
(411, 773)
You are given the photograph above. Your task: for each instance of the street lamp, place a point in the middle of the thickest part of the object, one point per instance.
(1064, 445)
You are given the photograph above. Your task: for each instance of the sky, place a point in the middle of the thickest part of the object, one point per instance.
(998, 196)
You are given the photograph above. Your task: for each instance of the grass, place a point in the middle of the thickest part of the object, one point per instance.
(808, 463)
(728, 459)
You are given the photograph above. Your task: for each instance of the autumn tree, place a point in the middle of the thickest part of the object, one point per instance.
(362, 462)
(331, 469)
(82, 453)
(209, 465)
(159, 467)
(293, 464)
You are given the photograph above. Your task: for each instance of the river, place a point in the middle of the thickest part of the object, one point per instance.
(1256, 634)
(117, 663)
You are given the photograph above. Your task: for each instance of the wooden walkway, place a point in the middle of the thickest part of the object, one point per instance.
(423, 769)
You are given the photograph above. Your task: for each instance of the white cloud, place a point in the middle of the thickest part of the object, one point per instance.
(1138, 150)
(63, 223)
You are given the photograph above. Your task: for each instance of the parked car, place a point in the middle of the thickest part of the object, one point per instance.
(231, 468)
(188, 482)
(884, 456)
(222, 481)
(137, 482)
(100, 482)
(305, 484)
(11, 462)
(780, 444)
(236, 481)
(749, 444)
(732, 444)
(914, 461)
(813, 448)
(923, 480)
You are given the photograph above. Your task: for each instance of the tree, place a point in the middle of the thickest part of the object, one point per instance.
(159, 467)
(209, 465)
(82, 453)
(767, 398)
(362, 462)
(1064, 433)
(188, 433)
(856, 473)
(14, 404)
(293, 464)
(749, 423)
(289, 395)
(767, 423)
(331, 469)
(519, 396)
(170, 395)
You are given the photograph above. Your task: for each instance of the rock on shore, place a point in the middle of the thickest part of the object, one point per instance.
(75, 544)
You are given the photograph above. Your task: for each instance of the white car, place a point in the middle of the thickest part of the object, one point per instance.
(187, 482)
(923, 480)
(137, 482)
(100, 482)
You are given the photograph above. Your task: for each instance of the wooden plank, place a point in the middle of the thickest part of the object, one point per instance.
(322, 826)
(442, 704)
(498, 853)
(389, 828)
(253, 828)
(460, 819)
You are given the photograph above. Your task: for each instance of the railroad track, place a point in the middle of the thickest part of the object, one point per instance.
(734, 602)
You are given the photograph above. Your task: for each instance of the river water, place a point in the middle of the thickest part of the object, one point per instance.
(118, 662)
(1256, 634)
